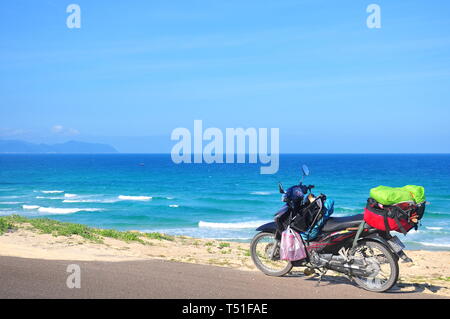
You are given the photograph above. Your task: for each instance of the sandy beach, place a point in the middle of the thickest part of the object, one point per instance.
(429, 271)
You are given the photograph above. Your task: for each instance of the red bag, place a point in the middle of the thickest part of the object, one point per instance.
(400, 217)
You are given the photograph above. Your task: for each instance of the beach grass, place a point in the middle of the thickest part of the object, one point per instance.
(223, 245)
(57, 228)
(120, 235)
(159, 236)
(5, 226)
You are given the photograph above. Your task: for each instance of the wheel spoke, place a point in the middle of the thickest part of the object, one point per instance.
(379, 264)
(266, 247)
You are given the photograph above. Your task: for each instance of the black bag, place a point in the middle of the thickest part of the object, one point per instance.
(307, 216)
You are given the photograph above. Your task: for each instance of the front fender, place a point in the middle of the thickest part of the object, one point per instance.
(269, 227)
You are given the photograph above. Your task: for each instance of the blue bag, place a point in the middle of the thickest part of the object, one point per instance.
(328, 207)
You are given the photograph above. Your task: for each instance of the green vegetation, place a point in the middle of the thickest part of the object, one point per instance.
(125, 236)
(5, 226)
(218, 262)
(57, 228)
(223, 245)
(159, 236)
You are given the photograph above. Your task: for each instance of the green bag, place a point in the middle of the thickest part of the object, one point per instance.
(393, 195)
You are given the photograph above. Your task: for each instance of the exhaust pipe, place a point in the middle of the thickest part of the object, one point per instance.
(348, 269)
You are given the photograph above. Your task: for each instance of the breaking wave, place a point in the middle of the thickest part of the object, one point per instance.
(261, 193)
(239, 225)
(90, 200)
(434, 244)
(30, 206)
(433, 228)
(53, 210)
(140, 198)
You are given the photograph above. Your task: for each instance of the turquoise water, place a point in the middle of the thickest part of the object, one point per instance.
(227, 201)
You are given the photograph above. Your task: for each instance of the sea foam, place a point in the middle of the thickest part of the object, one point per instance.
(434, 244)
(30, 206)
(260, 193)
(140, 198)
(53, 210)
(90, 200)
(433, 228)
(238, 225)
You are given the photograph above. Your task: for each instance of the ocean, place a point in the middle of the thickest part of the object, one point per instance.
(148, 192)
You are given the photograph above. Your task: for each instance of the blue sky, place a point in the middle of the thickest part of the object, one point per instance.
(138, 69)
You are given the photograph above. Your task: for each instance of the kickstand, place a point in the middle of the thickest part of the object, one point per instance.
(322, 273)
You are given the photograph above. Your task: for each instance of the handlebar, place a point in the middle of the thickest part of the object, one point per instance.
(306, 188)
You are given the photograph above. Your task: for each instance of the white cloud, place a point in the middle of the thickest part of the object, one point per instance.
(8, 132)
(72, 131)
(59, 129)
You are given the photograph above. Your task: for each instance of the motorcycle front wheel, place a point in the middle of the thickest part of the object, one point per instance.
(265, 253)
(379, 262)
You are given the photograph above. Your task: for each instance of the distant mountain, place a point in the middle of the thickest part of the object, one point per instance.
(16, 146)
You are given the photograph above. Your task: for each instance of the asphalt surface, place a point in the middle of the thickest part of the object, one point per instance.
(37, 278)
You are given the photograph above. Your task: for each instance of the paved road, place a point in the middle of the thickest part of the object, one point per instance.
(37, 278)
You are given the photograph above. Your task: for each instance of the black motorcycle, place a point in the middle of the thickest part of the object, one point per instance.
(344, 244)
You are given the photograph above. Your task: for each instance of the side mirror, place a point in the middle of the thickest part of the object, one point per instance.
(281, 189)
(305, 170)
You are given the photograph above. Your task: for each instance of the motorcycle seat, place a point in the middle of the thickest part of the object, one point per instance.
(338, 223)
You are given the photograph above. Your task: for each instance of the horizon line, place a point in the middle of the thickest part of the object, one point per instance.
(287, 153)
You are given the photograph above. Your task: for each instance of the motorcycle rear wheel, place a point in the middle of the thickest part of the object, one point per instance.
(261, 249)
(381, 262)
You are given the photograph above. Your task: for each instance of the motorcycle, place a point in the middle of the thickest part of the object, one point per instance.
(347, 245)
